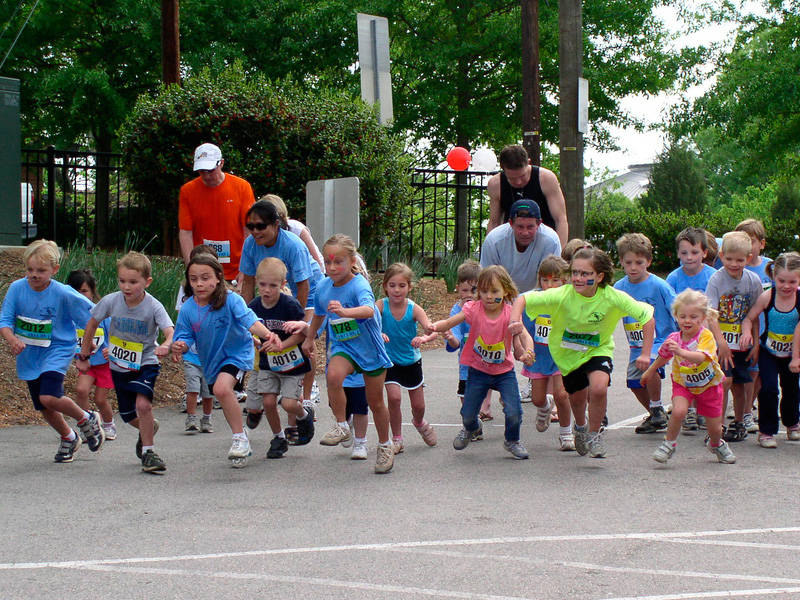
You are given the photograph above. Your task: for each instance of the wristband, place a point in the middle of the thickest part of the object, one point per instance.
(82, 356)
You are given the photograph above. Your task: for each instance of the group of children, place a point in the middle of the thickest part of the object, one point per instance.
(719, 328)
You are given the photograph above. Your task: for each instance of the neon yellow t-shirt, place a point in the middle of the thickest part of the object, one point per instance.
(582, 327)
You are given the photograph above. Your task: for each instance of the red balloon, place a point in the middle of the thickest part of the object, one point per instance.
(459, 158)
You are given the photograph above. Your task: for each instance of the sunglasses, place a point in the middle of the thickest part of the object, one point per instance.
(256, 226)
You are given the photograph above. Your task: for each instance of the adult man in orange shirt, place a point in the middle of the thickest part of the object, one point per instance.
(212, 209)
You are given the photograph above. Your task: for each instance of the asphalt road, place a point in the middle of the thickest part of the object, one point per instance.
(442, 524)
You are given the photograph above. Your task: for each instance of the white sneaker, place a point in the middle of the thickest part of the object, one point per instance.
(110, 430)
(543, 415)
(750, 423)
(525, 393)
(240, 448)
(385, 459)
(315, 393)
(566, 442)
(349, 441)
(335, 436)
(359, 452)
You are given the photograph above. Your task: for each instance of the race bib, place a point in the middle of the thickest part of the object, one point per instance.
(732, 333)
(580, 340)
(541, 329)
(494, 354)
(345, 329)
(697, 376)
(97, 340)
(285, 360)
(34, 332)
(223, 249)
(125, 354)
(779, 345)
(634, 333)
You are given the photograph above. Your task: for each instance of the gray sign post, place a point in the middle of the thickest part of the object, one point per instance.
(10, 214)
(332, 207)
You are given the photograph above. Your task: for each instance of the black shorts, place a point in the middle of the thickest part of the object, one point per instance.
(129, 384)
(408, 377)
(356, 401)
(231, 370)
(462, 383)
(49, 383)
(578, 379)
(740, 371)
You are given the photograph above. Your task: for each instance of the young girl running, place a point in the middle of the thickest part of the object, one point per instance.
(544, 372)
(400, 317)
(696, 375)
(345, 298)
(581, 341)
(488, 354)
(219, 324)
(99, 373)
(781, 308)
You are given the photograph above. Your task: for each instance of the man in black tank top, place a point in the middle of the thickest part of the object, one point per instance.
(519, 179)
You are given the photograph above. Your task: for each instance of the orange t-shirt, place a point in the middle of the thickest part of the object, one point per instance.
(216, 216)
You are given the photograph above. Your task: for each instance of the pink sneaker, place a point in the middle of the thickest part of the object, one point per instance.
(427, 432)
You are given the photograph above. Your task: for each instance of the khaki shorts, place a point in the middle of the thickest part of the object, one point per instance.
(267, 382)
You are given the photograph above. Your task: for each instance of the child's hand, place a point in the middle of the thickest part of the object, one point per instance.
(178, 350)
(746, 340)
(725, 355)
(642, 362)
(752, 356)
(17, 346)
(438, 326)
(335, 307)
(794, 365)
(645, 377)
(162, 350)
(295, 327)
(385, 338)
(272, 344)
(308, 347)
(672, 346)
(105, 352)
(528, 358)
(417, 342)
(450, 339)
(82, 365)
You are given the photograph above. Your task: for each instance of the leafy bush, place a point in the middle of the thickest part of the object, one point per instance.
(275, 135)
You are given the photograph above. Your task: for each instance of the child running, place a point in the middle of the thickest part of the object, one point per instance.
(696, 375)
(136, 317)
(488, 354)
(219, 324)
(345, 298)
(400, 317)
(581, 341)
(780, 306)
(99, 373)
(544, 372)
(38, 321)
(282, 369)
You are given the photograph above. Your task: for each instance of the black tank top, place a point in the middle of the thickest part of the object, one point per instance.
(532, 191)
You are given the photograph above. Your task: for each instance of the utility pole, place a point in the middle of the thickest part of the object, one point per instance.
(531, 105)
(570, 59)
(170, 42)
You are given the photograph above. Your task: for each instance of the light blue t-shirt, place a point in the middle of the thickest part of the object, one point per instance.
(222, 337)
(658, 294)
(360, 339)
(461, 333)
(680, 281)
(761, 271)
(46, 322)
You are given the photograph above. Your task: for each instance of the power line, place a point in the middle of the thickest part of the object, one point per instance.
(19, 33)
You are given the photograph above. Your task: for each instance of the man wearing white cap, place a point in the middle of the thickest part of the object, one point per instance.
(212, 210)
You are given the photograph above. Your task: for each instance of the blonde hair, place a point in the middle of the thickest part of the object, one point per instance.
(638, 243)
(346, 243)
(279, 204)
(787, 261)
(498, 273)
(44, 250)
(136, 261)
(754, 228)
(736, 241)
(399, 268)
(271, 266)
(690, 297)
(553, 266)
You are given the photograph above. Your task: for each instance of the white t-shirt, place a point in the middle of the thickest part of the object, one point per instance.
(499, 248)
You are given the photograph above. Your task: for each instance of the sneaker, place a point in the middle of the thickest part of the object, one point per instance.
(359, 452)
(216, 403)
(462, 439)
(94, 434)
(580, 439)
(723, 452)
(385, 459)
(192, 424)
(750, 423)
(110, 429)
(543, 416)
(525, 393)
(240, 396)
(335, 436)
(183, 404)
(67, 449)
(793, 433)
(277, 447)
(291, 435)
(315, 393)
(253, 419)
(239, 452)
(139, 439)
(305, 428)
(397, 445)
(596, 445)
(689, 425)
(477, 436)
(766, 441)
(348, 443)
(205, 424)
(516, 448)
(152, 463)
(736, 432)
(427, 432)
(566, 442)
(654, 422)
(664, 452)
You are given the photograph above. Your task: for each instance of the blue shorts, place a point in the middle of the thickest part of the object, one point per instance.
(635, 374)
(356, 400)
(49, 383)
(130, 384)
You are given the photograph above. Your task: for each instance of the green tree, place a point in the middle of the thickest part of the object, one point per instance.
(676, 182)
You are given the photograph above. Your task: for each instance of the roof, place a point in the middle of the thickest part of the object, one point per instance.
(633, 183)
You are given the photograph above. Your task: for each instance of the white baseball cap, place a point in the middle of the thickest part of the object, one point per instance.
(206, 157)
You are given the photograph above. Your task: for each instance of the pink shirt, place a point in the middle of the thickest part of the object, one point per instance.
(488, 348)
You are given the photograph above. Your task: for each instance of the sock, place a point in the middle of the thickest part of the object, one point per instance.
(345, 425)
(207, 415)
(386, 444)
(111, 422)
(240, 436)
(146, 448)
(655, 403)
(673, 443)
(360, 441)
(397, 438)
(305, 414)
(280, 435)
(564, 430)
(70, 436)
(86, 415)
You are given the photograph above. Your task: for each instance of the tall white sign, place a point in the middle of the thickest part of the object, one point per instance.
(373, 57)
(332, 206)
